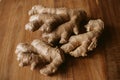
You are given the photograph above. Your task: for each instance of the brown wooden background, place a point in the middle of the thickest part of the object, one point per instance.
(102, 64)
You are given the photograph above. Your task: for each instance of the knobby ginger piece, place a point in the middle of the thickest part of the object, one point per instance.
(48, 19)
(57, 24)
(45, 19)
(45, 22)
(39, 9)
(79, 45)
(39, 52)
(64, 31)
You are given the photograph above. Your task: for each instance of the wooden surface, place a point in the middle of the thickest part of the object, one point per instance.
(101, 64)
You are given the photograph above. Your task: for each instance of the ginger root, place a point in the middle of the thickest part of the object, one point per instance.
(64, 31)
(50, 18)
(57, 24)
(39, 9)
(39, 52)
(46, 22)
(79, 45)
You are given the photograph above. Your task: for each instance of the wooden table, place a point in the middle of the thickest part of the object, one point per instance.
(101, 64)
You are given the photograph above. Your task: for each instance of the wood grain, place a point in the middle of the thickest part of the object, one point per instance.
(102, 64)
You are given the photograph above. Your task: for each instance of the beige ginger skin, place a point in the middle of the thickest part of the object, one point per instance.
(67, 20)
(64, 31)
(39, 9)
(39, 52)
(48, 19)
(62, 25)
(79, 45)
(46, 22)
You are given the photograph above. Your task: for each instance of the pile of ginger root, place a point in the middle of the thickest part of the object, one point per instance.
(61, 26)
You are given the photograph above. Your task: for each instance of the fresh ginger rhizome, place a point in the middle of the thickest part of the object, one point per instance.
(61, 25)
